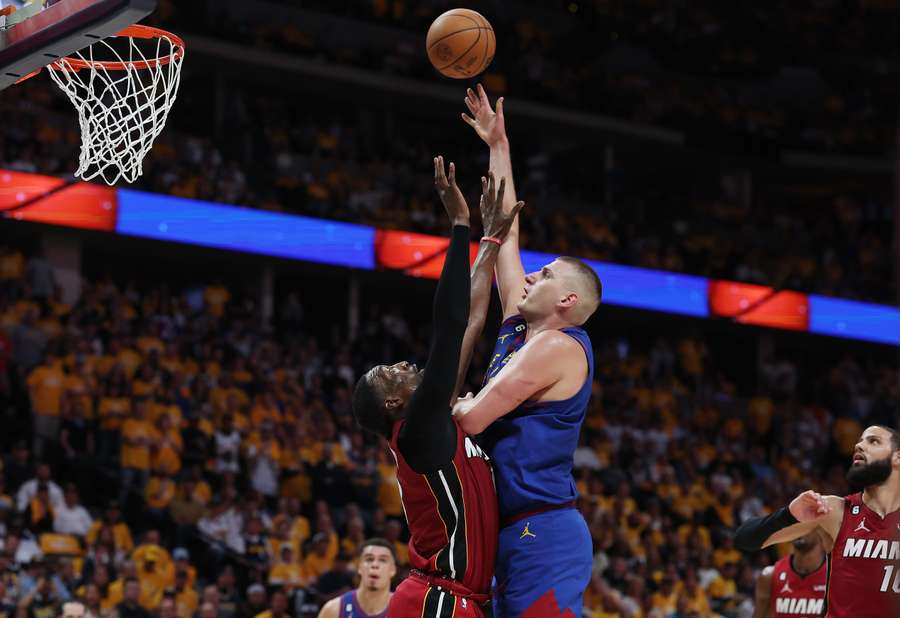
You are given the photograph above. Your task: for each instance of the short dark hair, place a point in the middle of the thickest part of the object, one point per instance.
(368, 408)
(895, 437)
(585, 271)
(378, 542)
(590, 284)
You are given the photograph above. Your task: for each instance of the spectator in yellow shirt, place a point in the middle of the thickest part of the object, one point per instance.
(182, 558)
(137, 440)
(186, 598)
(166, 454)
(278, 606)
(694, 595)
(154, 580)
(216, 296)
(724, 587)
(666, 598)
(726, 553)
(158, 495)
(287, 572)
(392, 532)
(318, 561)
(120, 530)
(45, 387)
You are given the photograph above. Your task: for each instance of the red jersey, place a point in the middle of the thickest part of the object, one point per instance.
(452, 515)
(797, 595)
(864, 566)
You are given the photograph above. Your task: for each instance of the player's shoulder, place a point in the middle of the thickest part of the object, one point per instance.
(332, 609)
(768, 571)
(555, 348)
(839, 502)
(555, 340)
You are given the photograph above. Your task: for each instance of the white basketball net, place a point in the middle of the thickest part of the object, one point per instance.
(121, 110)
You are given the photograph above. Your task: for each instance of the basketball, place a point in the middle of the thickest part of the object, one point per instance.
(460, 43)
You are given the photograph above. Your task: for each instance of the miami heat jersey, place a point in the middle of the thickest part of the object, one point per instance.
(864, 566)
(452, 515)
(795, 595)
(350, 608)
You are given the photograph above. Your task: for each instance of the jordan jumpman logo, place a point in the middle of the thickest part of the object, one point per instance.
(527, 532)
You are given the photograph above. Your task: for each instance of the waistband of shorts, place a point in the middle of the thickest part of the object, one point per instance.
(450, 585)
(536, 511)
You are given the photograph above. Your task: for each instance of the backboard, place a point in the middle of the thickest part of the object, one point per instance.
(45, 30)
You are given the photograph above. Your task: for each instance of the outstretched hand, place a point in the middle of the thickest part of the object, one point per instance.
(495, 220)
(451, 197)
(488, 124)
(809, 506)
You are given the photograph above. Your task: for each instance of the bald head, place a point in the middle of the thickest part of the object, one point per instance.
(586, 285)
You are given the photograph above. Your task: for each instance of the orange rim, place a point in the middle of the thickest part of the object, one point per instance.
(135, 32)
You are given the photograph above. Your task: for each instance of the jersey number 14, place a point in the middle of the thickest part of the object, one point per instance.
(888, 572)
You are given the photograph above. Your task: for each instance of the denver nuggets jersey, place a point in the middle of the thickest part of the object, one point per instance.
(793, 595)
(864, 565)
(532, 447)
(350, 608)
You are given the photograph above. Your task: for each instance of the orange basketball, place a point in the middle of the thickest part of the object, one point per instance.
(460, 43)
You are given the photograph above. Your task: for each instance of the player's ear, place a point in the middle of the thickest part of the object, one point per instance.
(392, 402)
(569, 300)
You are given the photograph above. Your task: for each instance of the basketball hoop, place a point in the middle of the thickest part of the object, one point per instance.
(123, 98)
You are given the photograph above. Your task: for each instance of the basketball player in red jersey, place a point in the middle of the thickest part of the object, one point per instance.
(795, 585)
(860, 532)
(446, 481)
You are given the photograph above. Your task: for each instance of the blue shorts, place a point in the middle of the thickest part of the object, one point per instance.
(541, 557)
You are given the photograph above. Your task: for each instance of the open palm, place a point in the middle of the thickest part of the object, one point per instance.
(488, 124)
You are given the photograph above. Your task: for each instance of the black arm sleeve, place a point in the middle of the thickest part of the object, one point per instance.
(427, 439)
(751, 534)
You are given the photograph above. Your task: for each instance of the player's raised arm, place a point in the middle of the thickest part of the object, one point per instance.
(538, 366)
(427, 438)
(496, 222)
(490, 126)
(806, 512)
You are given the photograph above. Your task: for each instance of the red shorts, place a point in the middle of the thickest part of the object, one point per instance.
(415, 598)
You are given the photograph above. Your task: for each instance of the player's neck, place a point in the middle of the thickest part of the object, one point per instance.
(372, 601)
(539, 325)
(804, 564)
(885, 498)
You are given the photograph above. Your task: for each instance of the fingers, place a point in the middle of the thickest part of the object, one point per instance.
(502, 190)
(821, 506)
(482, 95)
(439, 177)
(468, 120)
(471, 97)
(517, 208)
(481, 204)
(491, 185)
(472, 101)
(452, 176)
(500, 107)
(484, 186)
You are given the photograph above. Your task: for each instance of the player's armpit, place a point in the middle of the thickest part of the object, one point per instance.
(763, 593)
(534, 368)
